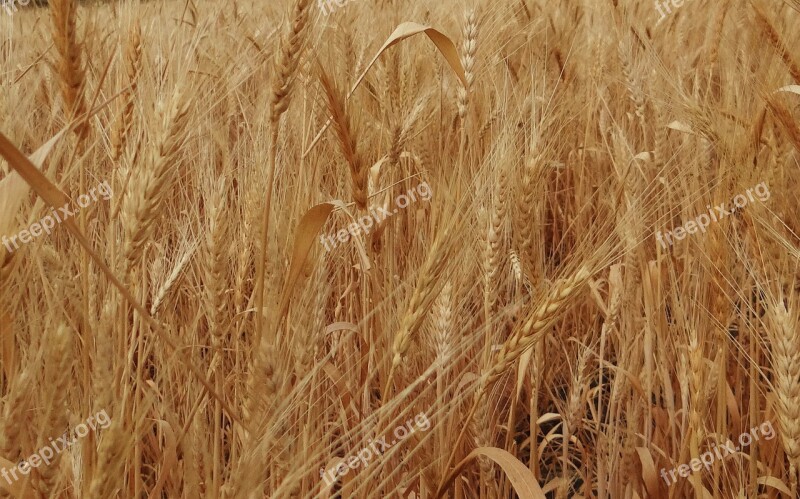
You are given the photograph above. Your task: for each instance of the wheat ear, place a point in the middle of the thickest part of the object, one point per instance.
(526, 214)
(574, 412)
(785, 338)
(469, 46)
(14, 417)
(777, 42)
(58, 371)
(109, 476)
(493, 253)
(523, 338)
(483, 427)
(216, 252)
(103, 375)
(149, 189)
(427, 289)
(65, 37)
(786, 120)
(289, 61)
(262, 383)
(442, 320)
(347, 141)
(536, 325)
(261, 391)
(133, 65)
(716, 33)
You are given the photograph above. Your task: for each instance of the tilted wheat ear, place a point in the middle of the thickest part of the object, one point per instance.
(523, 338)
(785, 339)
(536, 326)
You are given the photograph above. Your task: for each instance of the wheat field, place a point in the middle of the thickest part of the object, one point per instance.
(367, 249)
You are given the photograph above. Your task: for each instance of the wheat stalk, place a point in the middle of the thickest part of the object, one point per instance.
(282, 84)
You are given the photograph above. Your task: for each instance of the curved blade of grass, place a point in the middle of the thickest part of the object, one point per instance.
(790, 88)
(307, 231)
(403, 31)
(522, 479)
(649, 474)
(13, 188)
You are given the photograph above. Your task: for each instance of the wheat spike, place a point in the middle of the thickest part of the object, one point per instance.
(150, 186)
(536, 325)
(469, 47)
(785, 338)
(289, 61)
(442, 320)
(109, 479)
(70, 70)
(347, 140)
(425, 292)
(777, 42)
(58, 369)
(216, 254)
(133, 66)
(14, 411)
